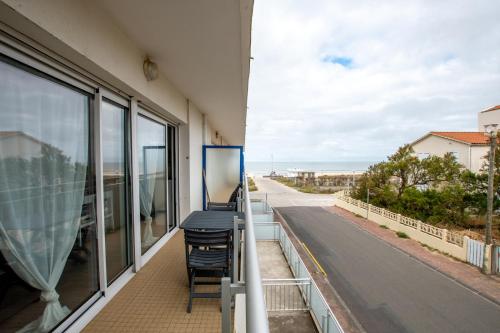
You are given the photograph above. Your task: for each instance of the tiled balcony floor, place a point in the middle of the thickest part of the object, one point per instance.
(156, 298)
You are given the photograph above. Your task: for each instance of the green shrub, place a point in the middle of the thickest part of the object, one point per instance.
(251, 185)
(383, 226)
(401, 234)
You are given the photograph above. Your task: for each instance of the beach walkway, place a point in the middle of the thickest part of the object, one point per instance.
(280, 195)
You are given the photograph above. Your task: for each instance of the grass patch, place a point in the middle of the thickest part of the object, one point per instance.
(430, 248)
(251, 185)
(401, 234)
(383, 226)
(309, 188)
(357, 215)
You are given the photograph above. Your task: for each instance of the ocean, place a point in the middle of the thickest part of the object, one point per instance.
(284, 168)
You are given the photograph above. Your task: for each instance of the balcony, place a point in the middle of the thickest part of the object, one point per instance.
(156, 298)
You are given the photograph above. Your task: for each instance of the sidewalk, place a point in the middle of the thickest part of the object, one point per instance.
(465, 274)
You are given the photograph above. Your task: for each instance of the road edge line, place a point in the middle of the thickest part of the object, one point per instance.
(313, 258)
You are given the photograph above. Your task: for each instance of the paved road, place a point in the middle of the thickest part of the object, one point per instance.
(386, 290)
(280, 195)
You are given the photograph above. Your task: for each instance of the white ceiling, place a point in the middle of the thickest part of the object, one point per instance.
(203, 47)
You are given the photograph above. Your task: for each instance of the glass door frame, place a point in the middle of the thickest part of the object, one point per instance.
(175, 174)
(101, 95)
(140, 110)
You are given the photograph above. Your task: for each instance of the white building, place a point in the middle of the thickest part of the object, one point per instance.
(487, 117)
(12, 142)
(469, 148)
(105, 83)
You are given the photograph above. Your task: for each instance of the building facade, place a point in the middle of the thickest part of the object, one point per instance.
(105, 107)
(469, 148)
(488, 117)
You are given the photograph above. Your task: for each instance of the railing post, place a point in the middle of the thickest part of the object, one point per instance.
(256, 315)
(236, 248)
(310, 294)
(445, 235)
(243, 255)
(226, 304)
(239, 199)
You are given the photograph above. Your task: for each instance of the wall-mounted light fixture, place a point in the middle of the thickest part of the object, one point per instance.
(150, 69)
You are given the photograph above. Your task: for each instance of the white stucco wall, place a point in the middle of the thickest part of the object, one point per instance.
(438, 146)
(477, 157)
(208, 132)
(184, 173)
(195, 157)
(20, 146)
(81, 32)
(487, 118)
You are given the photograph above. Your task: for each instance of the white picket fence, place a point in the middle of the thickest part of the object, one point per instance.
(475, 252)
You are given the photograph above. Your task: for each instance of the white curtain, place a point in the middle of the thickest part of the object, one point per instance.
(38, 229)
(152, 169)
(43, 166)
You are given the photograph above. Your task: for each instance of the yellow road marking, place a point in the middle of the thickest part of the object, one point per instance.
(314, 259)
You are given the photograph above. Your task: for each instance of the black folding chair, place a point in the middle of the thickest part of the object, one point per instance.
(230, 205)
(207, 256)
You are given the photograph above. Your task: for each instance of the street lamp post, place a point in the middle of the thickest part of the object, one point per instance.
(492, 132)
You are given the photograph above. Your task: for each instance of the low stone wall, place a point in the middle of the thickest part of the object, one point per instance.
(443, 240)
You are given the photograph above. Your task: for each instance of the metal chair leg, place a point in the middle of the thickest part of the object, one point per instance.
(191, 290)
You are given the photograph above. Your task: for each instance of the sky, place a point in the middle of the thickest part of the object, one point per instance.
(353, 80)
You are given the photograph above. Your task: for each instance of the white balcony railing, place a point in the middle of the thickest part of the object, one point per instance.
(251, 282)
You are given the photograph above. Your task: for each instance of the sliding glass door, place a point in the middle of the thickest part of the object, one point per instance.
(117, 219)
(152, 156)
(60, 248)
(48, 248)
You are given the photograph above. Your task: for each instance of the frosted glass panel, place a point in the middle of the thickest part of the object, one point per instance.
(222, 172)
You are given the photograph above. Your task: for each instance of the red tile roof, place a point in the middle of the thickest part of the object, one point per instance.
(474, 138)
(9, 133)
(492, 108)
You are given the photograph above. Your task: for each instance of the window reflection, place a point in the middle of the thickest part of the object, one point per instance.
(115, 176)
(152, 192)
(48, 263)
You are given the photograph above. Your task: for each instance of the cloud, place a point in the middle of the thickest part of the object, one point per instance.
(353, 80)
